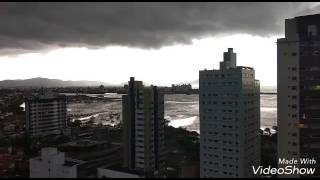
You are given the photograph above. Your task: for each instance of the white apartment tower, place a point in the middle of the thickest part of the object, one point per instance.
(143, 121)
(229, 120)
(46, 114)
(299, 90)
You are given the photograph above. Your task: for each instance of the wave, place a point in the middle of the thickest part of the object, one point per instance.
(181, 102)
(268, 109)
(183, 122)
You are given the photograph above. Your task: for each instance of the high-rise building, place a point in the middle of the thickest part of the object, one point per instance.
(299, 89)
(143, 121)
(229, 120)
(46, 114)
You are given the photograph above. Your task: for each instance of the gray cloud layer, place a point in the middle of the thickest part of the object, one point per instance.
(42, 26)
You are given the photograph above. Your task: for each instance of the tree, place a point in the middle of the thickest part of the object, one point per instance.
(77, 123)
(267, 131)
(275, 128)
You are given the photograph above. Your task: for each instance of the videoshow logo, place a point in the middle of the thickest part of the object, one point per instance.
(291, 168)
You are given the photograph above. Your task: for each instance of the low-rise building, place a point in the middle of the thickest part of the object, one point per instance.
(119, 173)
(94, 154)
(6, 164)
(53, 164)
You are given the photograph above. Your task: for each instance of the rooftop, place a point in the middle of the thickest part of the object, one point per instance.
(123, 169)
(46, 96)
(309, 16)
(72, 162)
(84, 143)
(237, 68)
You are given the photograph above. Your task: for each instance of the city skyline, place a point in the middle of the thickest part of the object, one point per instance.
(187, 38)
(216, 90)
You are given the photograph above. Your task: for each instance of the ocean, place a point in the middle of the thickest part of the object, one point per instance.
(183, 111)
(180, 109)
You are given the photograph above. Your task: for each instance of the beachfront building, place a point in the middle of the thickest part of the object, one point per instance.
(229, 120)
(299, 90)
(46, 114)
(143, 123)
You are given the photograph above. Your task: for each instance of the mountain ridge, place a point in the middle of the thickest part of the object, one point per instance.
(46, 82)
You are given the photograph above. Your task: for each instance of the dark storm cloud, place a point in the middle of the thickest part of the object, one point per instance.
(43, 26)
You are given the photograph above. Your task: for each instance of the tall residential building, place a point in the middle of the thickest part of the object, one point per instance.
(53, 164)
(299, 89)
(143, 121)
(46, 114)
(229, 120)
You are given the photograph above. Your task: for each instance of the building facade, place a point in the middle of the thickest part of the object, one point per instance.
(94, 154)
(143, 123)
(299, 89)
(46, 114)
(229, 120)
(53, 164)
(108, 173)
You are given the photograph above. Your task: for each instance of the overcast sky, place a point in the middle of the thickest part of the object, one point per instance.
(159, 43)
